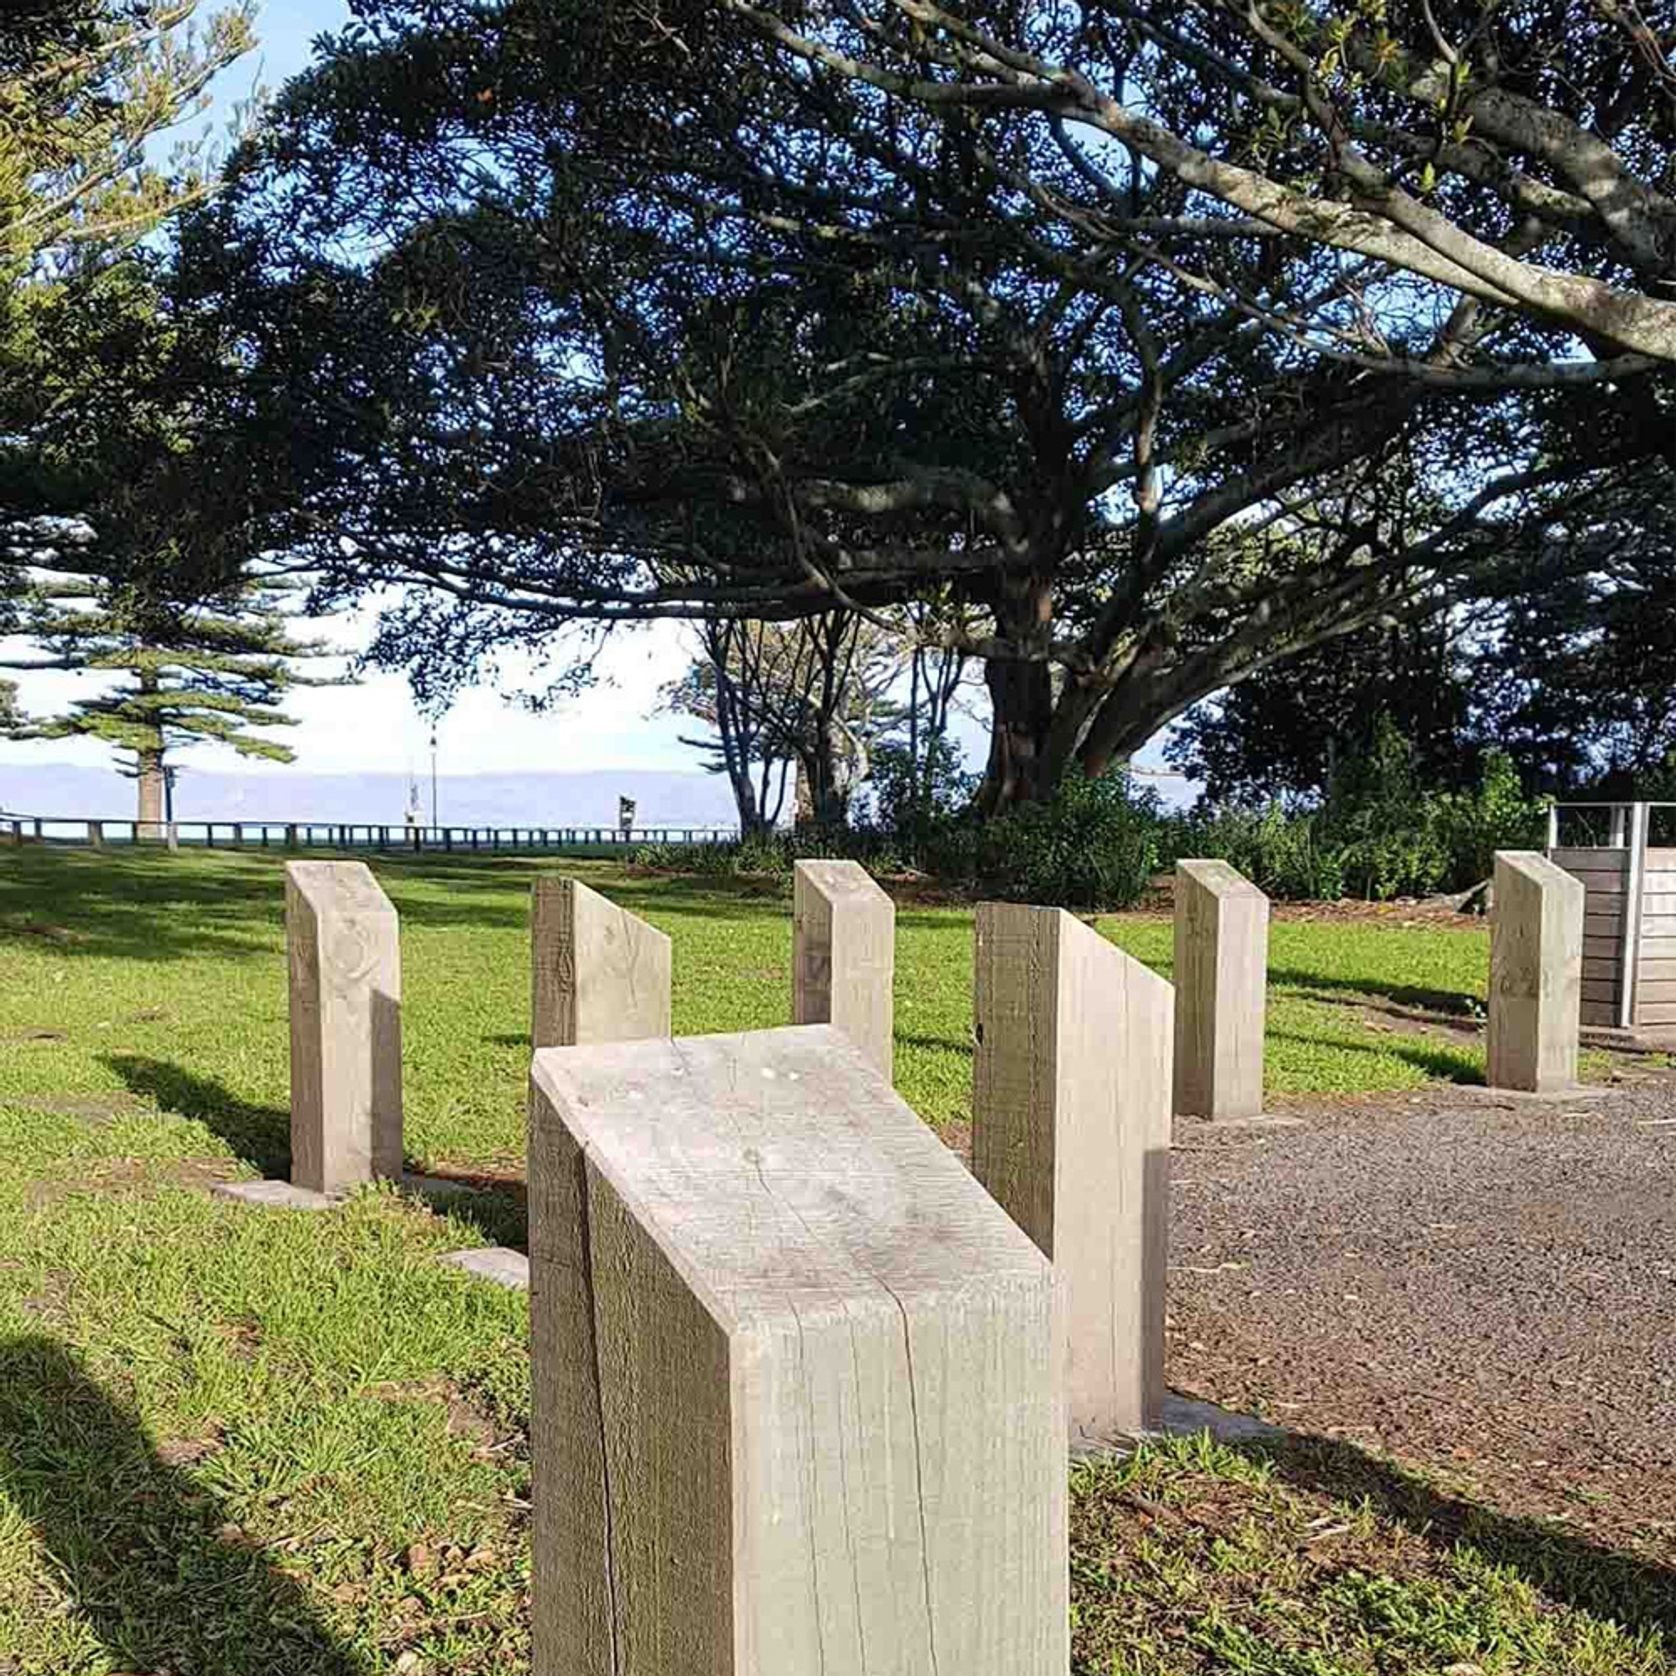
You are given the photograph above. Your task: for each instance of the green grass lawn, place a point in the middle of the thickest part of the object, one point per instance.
(241, 1441)
(163, 977)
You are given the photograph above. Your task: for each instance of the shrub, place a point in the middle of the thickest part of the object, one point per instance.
(1095, 845)
(1380, 833)
(1283, 854)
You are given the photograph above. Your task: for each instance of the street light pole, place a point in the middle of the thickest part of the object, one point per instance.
(434, 820)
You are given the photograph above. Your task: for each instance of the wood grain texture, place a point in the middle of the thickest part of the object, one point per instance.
(1536, 974)
(597, 972)
(1071, 1135)
(1221, 981)
(844, 955)
(798, 1394)
(344, 955)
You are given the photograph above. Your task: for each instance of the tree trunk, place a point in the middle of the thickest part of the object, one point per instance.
(150, 783)
(1021, 698)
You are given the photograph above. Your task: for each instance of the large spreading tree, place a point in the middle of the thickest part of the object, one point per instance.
(653, 308)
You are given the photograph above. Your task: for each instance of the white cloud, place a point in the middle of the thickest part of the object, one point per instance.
(376, 727)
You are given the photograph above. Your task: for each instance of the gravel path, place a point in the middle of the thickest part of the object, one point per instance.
(1478, 1284)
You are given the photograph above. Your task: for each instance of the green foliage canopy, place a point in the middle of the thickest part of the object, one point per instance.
(635, 310)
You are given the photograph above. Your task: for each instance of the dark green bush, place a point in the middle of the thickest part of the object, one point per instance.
(1381, 833)
(1094, 846)
(1282, 853)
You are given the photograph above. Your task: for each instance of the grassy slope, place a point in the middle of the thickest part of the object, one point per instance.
(234, 1441)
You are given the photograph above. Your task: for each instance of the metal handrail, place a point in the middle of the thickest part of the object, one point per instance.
(77, 831)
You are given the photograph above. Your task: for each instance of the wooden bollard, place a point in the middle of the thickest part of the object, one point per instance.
(1536, 974)
(797, 1396)
(844, 955)
(599, 973)
(1071, 1134)
(346, 1032)
(1221, 977)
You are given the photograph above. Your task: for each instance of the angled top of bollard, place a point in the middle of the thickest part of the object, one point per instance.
(1539, 870)
(340, 887)
(782, 1176)
(1219, 877)
(839, 879)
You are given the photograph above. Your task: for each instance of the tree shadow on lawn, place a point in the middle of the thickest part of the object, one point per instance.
(152, 1563)
(260, 1135)
(1637, 1593)
(136, 908)
(1328, 986)
(1442, 1063)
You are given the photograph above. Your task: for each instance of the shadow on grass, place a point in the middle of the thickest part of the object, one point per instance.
(939, 1044)
(150, 1561)
(1446, 1064)
(497, 1206)
(1634, 1592)
(1332, 986)
(137, 907)
(261, 1135)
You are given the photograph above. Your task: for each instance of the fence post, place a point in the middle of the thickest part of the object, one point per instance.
(1071, 1134)
(346, 1041)
(844, 955)
(600, 973)
(1221, 974)
(173, 835)
(849, 1456)
(1536, 974)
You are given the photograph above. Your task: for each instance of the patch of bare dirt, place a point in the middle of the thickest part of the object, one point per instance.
(466, 1418)
(187, 1451)
(133, 1176)
(52, 1303)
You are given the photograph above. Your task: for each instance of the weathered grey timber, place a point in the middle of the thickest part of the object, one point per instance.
(1221, 977)
(1071, 1134)
(1536, 974)
(844, 955)
(798, 1401)
(346, 1029)
(599, 973)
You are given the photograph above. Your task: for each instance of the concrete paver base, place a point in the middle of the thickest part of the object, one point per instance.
(279, 1195)
(497, 1263)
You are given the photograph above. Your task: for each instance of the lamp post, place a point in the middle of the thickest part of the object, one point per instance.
(434, 820)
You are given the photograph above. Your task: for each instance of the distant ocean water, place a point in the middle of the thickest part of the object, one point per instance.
(585, 799)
